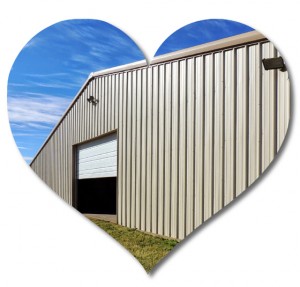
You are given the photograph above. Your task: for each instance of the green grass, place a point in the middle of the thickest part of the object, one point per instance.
(147, 249)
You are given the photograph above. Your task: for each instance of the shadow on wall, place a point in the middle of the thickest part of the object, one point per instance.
(97, 195)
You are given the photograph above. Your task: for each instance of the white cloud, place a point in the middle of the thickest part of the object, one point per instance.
(23, 148)
(28, 158)
(30, 135)
(36, 111)
(47, 75)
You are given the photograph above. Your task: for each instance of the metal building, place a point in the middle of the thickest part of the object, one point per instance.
(172, 143)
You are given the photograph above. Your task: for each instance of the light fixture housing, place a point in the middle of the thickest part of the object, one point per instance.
(91, 99)
(274, 63)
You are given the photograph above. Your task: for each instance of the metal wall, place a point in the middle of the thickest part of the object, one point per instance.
(193, 134)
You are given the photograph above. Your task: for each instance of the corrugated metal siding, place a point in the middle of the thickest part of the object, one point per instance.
(193, 134)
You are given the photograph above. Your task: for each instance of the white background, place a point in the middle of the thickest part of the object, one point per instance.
(44, 242)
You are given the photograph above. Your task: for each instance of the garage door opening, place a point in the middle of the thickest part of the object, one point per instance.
(97, 195)
(97, 176)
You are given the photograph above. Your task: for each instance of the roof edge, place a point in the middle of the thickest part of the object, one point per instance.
(90, 77)
(237, 40)
(117, 69)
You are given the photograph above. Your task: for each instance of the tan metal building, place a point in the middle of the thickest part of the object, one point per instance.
(172, 143)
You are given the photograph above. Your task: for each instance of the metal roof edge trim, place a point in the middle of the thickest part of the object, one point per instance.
(64, 115)
(130, 66)
(240, 39)
(236, 40)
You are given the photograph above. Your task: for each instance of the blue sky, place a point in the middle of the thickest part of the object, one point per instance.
(54, 64)
(50, 70)
(201, 32)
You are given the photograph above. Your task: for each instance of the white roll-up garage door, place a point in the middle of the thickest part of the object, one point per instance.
(98, 158)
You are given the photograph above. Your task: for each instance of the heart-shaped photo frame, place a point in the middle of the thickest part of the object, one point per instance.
(149, 152)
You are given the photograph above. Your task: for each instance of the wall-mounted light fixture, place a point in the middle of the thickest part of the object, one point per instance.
(91, 99)
(274, 63)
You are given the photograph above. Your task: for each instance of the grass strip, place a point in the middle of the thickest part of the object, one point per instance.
(147, 249)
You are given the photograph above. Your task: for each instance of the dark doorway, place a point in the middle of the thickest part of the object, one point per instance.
(97, 195)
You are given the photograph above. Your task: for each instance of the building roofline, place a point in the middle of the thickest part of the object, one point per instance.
(233, 41)
(122, 68)
(229, 42)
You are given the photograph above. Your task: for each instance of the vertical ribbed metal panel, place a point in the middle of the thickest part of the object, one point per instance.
(154, 154)
(268, 106)
(230, 120)
(120, 179)
(174, 149)
(137, 150)
(144, 150)
(218, 151)
(123, 168)
(254, 108)
(133, 151)
(199, 141)
(193, 134)
(208, 134)
(149, 134)
(167, 150)
(283, 106)
(182, 149)
(161, 150)
(242, 119)
(190, 134)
